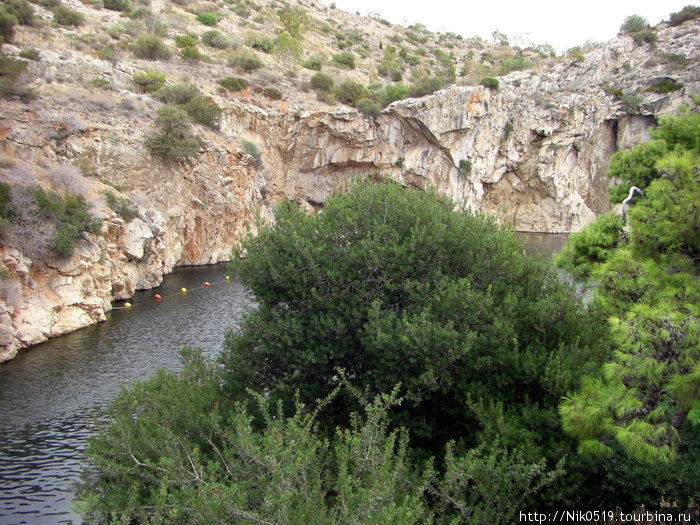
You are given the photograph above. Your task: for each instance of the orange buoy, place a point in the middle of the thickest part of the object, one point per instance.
(157, 297)
(206, 284)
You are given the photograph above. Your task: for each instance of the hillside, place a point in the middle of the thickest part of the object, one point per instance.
(79, 108)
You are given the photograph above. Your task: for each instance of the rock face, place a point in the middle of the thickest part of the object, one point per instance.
(532, 153)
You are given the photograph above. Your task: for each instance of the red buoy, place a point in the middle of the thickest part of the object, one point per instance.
(157, 297)
(206, 283)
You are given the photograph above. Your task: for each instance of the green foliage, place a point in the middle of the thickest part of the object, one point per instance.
(30, 54)
(117, 5)
(251, 149)
(368, 107)
(344, 59)
(634, 23)
(272, 93)
(245, 60)
(689, 12)
(350, 92)
(177, 451)
(203, 111)
(8, 22)
(295, 21)
(175, 142)
(149, 82)
(67, 17)
(151, 47)
(393, 92)
(122, 206)
(647, 36)
(424, 85)
(465, 167)
(576, 53)
(70, 216)
(215, 39)
(666, 86)
(288, 47)
(631, 102)
(234, 83)
(260, 42)
(182, 41)
(10, 71)
(208, 19)
(321, 82)
(178, 94)
(314, 63)
(394, 287)
(191, 54)
(514, 64)
(489, 82)
(635, 167)
(647, 279)
(592, 246)
(20, 9)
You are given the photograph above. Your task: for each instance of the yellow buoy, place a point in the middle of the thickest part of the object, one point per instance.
(184, 290)
(127, 305)
(228, 278)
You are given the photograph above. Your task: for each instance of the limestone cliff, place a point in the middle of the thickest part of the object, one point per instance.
(533, 153)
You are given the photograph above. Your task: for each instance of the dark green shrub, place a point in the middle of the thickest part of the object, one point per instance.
(425, 85)
(245, 60)
(215, 39)
(149, 82)
(261, 43)
(393, 92)
(321, 82)
(122, 206)
(368, 107)
(576, 53)
(185, 41)
(313, 63)
(175, 142)
(7, 25)
(234, 83)
(10, 70)
(191, 54)
(117, 5)
(345, 60)
(689, 12)
(514, 64)
(208, 19)
(21, 9)
(204, 111)
(647, 36)
(251, 149)
(272, 93)
(631, 102)
(151, 47)
(465, 167)
(666, 85)
(350, 92)
(634, 23)
(67, 17)
(178, 94)
(29, 54)
(489, 82)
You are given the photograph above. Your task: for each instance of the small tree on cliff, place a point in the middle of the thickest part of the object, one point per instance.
(175, 142)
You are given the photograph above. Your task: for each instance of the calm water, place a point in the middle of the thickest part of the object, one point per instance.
(51, 395)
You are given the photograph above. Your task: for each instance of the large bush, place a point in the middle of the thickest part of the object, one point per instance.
(393, 286)
(175, 141)
(151, 47)
(245, 60)
(67, 17)
(21, 9)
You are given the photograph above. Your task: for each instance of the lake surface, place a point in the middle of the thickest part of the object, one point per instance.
(51, 395)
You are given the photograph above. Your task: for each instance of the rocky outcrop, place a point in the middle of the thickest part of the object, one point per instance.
(532, 153)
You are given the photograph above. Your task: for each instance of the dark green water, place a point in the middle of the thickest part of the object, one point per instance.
(51, 395)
